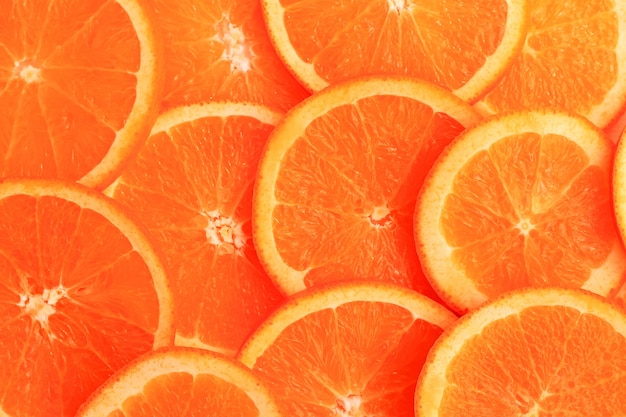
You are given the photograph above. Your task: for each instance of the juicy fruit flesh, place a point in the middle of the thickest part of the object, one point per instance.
(569, 60)
(358, 201)
(65, 87)
(162, 396)
(221, 52)
(198, 210)
(74, 290)
(559, 380)
(360, 358)
(527, 211)
(397, 37)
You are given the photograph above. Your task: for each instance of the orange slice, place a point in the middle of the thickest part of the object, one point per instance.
(80, 83)
(221, 51)
(191, 185)
(180, 381)
(83, 293)
(574, 58)
(337, 182)
(522, 199)
(619, 198)
(349, 349)
(532, 352)
(462, 46)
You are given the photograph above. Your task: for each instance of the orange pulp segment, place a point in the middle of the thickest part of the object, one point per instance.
(192, 186)
(80, 83)
(574, 58)
(352, 349)
(337, 182)
(181, 381)
(221, 51)
(83, 293)
(522, 199)
(532, 352)
(462, 46)
(619, 199)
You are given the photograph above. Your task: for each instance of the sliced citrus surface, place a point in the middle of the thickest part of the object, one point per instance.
(80, 83)
(348, 349)
(337, 182)
(221, 51)
(179, 381)
(619, 198)
(191, 185)
(83, 293)
(522, 199)
(462, 46)
(531, 352)
(574, 58)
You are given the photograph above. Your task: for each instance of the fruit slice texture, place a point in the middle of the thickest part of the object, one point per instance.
(619, 199)
(83, 293)
(574, 58)
(337, 182)
(180, 381)
(462, 46)
(522, 199)
(221, 51)
(531, 352)
(80, 83)
(192, 187)
(350, 349)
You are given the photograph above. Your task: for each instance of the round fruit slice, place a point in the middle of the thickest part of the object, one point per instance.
(462, 46)
(522, 199)
(181, 381)
(337, 182)
(80, 83)
(531, 352)
(574, 58)
(82, 293)
(221, 51)
(350, 349)
(191, 185)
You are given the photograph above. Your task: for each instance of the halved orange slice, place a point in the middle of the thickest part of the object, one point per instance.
(522, 199)
(530, 352)
(350, 349)
(80, 86)
(462, 46)
(191, 186)
(180, 381)
(337, 182)
(83, 293)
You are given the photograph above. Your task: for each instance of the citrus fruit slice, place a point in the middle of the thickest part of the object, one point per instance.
(83, 293)
(351, 349)
(337, 182)
(221, 51)
(462, 46)
(619, 198)
(531, 352)
(80, 83)
(573, 58)
(191, 185)
(522, 199)
(179, 381)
